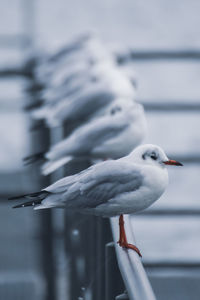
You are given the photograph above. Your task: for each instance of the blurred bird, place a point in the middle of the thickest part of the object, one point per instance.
(110, 188)
(109, 136)
(77, 56)
(81, 75)
(91, 68)
(52, 55)
(73, 64)
(89, 48)
(79, 108)
(94, 55)
(87, 101)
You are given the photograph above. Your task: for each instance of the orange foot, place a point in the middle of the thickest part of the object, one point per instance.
(130, 246)
(122, 237)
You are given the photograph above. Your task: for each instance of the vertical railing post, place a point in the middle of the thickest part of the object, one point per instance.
(79, 232)
(113, 280)
(103, 236)
(40, 142)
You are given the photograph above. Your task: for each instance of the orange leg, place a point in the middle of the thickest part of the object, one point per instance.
(122, 237)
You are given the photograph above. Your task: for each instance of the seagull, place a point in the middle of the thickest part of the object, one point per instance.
(82, 105)
(87, 96)
(110, 136)
(90, 48)
(82, 73)
(47, 63)
(73, 73)
(110, 188)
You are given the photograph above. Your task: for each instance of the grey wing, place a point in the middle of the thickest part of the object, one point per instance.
(95, 133)
(83, 106)
(61, 185)
(102, 183)
(88, 103)
(100, 130)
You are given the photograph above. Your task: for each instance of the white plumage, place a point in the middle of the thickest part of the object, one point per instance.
(83, 96)
(112, 135)
(79, 83)
(89, 50)
(110, 188)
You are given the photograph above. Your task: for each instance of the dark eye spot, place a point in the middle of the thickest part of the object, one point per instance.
(153, 156)
(114, 110)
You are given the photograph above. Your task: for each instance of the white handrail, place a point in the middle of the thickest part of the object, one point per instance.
(130, 265)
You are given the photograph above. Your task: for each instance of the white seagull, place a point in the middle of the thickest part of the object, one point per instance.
(83, 74)
(87, 92)
(90, 49)
(111, 136)
(47, 63)
(80, 106)
(110, 188)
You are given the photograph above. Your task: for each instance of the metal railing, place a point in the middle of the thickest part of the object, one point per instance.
(130, 265)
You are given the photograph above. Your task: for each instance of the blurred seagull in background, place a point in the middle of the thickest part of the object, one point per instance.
(89, 49)
(78, 70)
(111, 188)
(110, 136)
(49, 58)
(77, 82)
(84, 103)
(71, 61)
(79, 108)
(81, 75)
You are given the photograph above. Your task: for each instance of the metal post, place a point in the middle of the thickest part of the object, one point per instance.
(79, 232)
(40, 141)
(113, 280)
(103, 236)
(47, 253)
(74, 249)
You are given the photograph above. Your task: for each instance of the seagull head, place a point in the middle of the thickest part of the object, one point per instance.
(152, 155)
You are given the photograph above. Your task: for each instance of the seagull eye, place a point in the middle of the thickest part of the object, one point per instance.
(153, 156)
(115, 110)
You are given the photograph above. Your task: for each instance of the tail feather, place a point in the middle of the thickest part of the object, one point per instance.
(34, 158)
(34, 105)
(30, 203)
(50, 166)
(36, 199)
(38, 195)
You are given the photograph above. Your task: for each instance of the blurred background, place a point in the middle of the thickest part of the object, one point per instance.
(158, 42)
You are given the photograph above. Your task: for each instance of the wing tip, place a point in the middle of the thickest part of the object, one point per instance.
(18, 206)
(28, 204)
(15, 197)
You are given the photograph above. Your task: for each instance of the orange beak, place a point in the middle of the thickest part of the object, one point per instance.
(172, 162)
